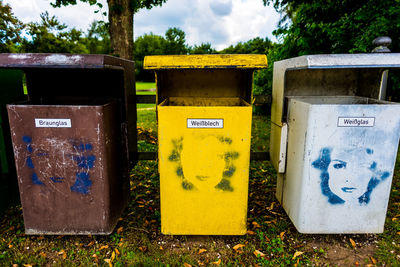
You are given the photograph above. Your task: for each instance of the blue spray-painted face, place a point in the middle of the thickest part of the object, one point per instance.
(348, 175)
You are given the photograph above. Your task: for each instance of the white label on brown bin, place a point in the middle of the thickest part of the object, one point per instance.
(205, 123)
(53, 123)
(356, 122)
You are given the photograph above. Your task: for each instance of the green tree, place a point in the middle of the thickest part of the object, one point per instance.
(175, 42)
(120, 17)
(52, 36)
(10, 29)
(148, 44)
(204, 48)
(98, 38)
(335, 26)
(257, 45)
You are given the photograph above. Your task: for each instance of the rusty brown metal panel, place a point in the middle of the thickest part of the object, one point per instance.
(51, 60)
(54, 75)
(69, 166)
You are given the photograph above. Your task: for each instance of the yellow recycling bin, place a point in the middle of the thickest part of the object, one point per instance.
(204, 131)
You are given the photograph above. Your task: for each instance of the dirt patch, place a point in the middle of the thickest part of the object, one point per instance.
(344, 250)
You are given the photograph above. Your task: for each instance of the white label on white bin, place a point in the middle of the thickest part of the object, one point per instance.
(205, 123)
(53, 123)
(356, 122)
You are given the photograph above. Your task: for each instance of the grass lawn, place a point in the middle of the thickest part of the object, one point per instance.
(146, 113)
(271, 239)
(145, 86)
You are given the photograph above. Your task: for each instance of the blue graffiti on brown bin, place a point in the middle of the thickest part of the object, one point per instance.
(84, 161)
(82, 183)
(29, 161)
(57, 179)
(323, 163)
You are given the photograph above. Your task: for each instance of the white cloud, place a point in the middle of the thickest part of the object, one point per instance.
(207, 21)
(79, 16)
(219, 22)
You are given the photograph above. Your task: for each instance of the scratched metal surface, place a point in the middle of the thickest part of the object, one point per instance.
(70, 178)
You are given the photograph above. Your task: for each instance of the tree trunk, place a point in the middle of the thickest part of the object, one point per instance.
(120, 16)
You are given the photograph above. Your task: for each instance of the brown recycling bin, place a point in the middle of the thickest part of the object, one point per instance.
(72, 141)
(67, 163)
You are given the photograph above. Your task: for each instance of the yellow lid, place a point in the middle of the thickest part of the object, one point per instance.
(237, 61)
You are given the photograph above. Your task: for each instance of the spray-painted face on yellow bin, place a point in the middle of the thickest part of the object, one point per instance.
(204, 162)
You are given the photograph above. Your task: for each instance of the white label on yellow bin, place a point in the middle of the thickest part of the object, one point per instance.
(356, 122)
(53, 123)
(205, 123)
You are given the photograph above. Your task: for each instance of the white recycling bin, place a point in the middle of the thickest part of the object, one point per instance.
(342, 153)
(334, 142)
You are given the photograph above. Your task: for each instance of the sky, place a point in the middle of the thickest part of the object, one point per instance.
(219, 22)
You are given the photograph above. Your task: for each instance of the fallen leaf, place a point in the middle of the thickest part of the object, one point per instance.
(91, 243)
(64, 255)
(296, 254)
(249, 232)
(281, 235)
(218, 262)
(238, 246)
(143, 248)
(256, 225)
(42, 254)
(10, 246)
(109, 262)
(372, 260)
(103, 247)
(28, 265)
(187, 265)
(258, 253)
(357, 263)
(112, 256)
(119, 230)
(15, 265)
(94, 256)
(161, 248)
(352, 242)
(40, 237)
(202, 250)
(394, 219)
(117, 251)
(272, 206)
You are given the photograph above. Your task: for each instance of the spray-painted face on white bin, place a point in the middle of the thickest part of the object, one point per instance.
(350, 172)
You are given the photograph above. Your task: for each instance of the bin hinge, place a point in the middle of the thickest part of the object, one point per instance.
(283, 148)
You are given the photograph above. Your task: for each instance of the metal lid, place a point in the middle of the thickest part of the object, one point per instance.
(205, 62)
